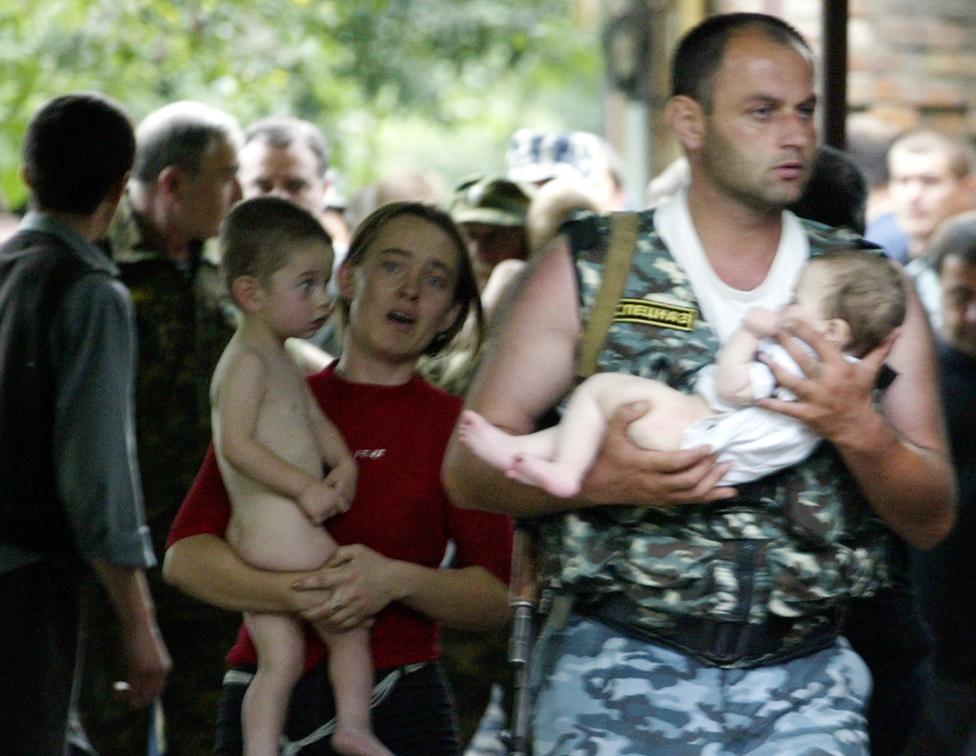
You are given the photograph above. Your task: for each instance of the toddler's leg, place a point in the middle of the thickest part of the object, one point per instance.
(498, 448)
(351, 673)
(281, 655)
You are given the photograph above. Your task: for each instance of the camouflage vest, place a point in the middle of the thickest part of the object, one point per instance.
(792, 544)
(184, 320)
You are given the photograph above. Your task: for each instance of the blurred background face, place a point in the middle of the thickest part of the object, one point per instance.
(489, 244)
(925, 192)
(958, 286)
(287, 172)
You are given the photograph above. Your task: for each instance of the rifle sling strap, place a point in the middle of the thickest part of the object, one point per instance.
(620, 252)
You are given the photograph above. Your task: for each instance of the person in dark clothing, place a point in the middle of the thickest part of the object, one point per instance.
(946, 574)
(886, 630)
(70, 500)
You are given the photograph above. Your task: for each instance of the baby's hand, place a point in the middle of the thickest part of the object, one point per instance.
(760, 322)
(320, 501)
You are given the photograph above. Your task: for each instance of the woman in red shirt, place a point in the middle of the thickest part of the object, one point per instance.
(405, 289)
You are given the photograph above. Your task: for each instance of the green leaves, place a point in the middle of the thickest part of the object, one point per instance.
(439, 83)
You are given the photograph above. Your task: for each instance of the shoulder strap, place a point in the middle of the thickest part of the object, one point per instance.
(616, 267)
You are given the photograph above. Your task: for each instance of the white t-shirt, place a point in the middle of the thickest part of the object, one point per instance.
(721, 305)
(756, 441)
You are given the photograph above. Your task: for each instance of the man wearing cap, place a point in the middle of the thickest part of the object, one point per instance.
(492, 211)
(537, 157)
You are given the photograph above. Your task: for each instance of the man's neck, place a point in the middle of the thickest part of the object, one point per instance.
(157, 225)
(91, 227)
(740, 241)
(917, 246)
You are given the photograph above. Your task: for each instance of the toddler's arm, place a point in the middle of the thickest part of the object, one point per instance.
(236, 407)
(341, 479)
(732, 366)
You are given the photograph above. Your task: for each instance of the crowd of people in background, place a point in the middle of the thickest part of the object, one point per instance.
(433, 300)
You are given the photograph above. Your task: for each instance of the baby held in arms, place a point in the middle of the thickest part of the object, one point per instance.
(853, 298)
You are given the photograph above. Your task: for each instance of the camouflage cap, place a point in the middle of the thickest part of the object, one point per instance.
(540, 156)
(491, 199)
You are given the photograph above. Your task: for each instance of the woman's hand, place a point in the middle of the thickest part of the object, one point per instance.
(360, 582)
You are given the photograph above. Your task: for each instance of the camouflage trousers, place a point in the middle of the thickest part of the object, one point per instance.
(603, 694)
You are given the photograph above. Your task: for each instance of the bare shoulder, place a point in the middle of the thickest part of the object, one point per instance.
(240, 362)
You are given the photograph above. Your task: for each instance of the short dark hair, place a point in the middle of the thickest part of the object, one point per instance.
(867, 291)
(958, 152)
(259, 235)
(180, 134)
(78, 148)
(836, 193)
(283, 131)
(955, 237)
(700, 52)
(466, 293)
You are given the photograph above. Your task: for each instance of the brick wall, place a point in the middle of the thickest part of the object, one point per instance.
(911, 62)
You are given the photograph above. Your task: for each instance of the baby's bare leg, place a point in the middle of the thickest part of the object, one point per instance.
(581, 429)
(281, 655)
(578, 435)
(498, 448)
(351, 673)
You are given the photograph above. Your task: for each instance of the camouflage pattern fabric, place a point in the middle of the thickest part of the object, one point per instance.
(601, 693)
(792, 544)
(184, 320)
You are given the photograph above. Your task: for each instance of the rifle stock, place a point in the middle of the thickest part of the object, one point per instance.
(524, 601)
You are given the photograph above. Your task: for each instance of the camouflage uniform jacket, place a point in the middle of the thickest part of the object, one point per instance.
(184, 320)
(793, 544)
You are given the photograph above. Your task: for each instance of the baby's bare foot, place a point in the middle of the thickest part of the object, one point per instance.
(494, 446)
(558, 479)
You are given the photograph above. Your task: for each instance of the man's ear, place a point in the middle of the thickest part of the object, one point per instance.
(687, 118)
(117, 190)
(25, 177)
(247, 293)
(967, 189)
(838, 332)
(170, 180)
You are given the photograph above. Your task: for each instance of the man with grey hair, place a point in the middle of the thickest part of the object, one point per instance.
(184, 180)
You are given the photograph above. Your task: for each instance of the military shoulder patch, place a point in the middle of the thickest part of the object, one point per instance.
(648, 312)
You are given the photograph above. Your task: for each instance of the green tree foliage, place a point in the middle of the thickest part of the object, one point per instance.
(394, 83)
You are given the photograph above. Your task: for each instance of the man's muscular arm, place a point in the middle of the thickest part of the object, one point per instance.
(898, 455)
(530, 367)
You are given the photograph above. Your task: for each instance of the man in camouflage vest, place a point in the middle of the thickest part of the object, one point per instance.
(689, 618)
(183, 182)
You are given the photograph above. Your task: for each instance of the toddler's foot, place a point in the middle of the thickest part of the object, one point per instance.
(558, 479)
(352, 742)
(496, 447)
